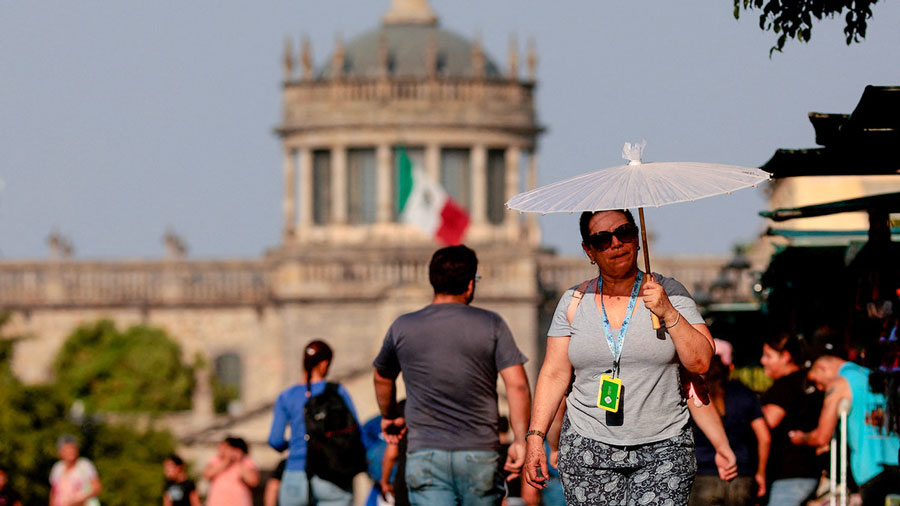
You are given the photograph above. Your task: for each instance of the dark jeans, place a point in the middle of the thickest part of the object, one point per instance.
(884, 483)
(710, 490)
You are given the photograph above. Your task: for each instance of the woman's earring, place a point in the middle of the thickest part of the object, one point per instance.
(593, 262)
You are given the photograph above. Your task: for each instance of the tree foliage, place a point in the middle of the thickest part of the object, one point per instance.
(794, 19)
(139, 369)
(129, 462)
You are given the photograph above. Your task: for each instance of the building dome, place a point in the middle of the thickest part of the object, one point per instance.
(407, 47)
(410, 84)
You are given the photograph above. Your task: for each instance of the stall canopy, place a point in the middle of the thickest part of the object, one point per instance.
(864, 142)
(885, 203)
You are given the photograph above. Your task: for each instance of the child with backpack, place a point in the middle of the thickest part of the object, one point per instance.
(325, 448)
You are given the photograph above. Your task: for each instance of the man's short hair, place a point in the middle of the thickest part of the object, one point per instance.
(451, 269)
(828, 350)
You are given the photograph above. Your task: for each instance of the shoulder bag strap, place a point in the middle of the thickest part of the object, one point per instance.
(576, 299)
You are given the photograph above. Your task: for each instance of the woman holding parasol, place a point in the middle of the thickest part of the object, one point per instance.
(626, 434)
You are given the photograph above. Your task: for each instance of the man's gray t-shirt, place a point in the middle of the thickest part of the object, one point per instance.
(450, 355)
(652, 407)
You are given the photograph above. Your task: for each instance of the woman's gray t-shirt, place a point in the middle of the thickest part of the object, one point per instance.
(651, 407)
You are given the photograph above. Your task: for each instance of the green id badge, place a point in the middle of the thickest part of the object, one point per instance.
(610, 390)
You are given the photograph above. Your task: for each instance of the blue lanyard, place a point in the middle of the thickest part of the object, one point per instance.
(616, 347)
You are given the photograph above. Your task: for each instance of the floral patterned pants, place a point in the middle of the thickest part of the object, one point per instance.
(595, 473)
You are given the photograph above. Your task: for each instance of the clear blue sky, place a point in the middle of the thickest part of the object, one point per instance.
(119, 119)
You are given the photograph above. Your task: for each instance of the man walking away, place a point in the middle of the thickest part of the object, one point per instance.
(450, 354)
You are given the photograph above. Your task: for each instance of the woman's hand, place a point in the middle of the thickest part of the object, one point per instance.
(693, 342)
(535, 471)
(656, 300)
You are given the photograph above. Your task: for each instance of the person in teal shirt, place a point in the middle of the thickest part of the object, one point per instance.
(873, 449)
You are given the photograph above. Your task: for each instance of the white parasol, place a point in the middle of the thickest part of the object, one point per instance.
(637, 184)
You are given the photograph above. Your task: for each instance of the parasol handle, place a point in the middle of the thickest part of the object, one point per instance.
(653, 317)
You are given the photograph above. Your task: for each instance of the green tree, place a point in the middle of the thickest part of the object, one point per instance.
(138, 370)
(795, 19)
(33, 417)
(129, 463)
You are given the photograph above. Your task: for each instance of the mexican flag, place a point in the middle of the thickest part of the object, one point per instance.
(424, 203)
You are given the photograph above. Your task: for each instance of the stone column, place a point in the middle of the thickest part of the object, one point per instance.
(513, 154)
(288, 204)
(478, 158)
(383, 194)
(305, 189)
(433, 161)
(339, 184)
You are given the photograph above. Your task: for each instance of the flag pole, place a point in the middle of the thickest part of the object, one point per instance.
(653, 317)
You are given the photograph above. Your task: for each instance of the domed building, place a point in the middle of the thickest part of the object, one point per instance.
(411, 84)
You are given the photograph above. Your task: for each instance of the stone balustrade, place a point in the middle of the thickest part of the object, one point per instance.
(32, 285)
(397, 88)
(152, 283)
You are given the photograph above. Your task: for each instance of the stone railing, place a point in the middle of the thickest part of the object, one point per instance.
(25, 285)
(391, 272)
(152, 283)
(365, 89)
(337, 277)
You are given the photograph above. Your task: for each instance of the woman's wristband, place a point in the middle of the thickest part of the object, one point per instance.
(534, 432)
(677, 319)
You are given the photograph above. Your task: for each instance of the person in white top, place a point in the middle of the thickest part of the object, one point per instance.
(73, 479)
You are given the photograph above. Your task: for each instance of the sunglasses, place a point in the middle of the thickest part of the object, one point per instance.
(603, 240)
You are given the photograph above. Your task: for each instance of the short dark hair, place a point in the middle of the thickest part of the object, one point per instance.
(451, 269)
(584, 223)
(827, 349)
(239, 443)
(178, 461)
(793, 344)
